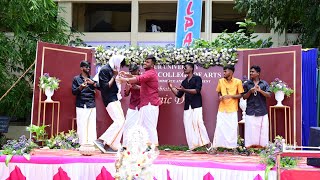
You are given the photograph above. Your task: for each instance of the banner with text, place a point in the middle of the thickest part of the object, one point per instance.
(188, 26)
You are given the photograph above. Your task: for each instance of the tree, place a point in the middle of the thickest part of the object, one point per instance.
(22, 24)
(301, 16)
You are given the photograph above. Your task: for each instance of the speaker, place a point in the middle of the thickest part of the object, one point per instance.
(314, 140)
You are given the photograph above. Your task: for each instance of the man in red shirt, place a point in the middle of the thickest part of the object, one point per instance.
(132, 117)
(149, 98)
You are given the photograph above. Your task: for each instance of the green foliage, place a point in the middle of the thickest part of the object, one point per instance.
(243, 38)
(39, 131)
(297, 16)
(27, 22)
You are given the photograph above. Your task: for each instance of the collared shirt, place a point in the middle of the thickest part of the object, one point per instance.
(149, 92)
(134, 98)
(256, 105)
(109, 94)
(232, 87)
(85, 97)
(193, 100)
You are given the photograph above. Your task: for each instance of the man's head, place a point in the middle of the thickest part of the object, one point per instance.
(85, 67)
(149, 62)
(134, 69)
(255, 72)
(188, 68)
(228, 71)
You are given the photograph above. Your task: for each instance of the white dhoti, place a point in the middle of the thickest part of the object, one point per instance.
(132, 119)
(113, 134)
(149, 119)
(196, 132)
(86, 125)
(226, 131)
(256, 130)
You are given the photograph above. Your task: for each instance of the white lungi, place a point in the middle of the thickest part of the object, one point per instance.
(149, 119)
(256, 130)
(112, 135)
(196, 132)
(226, 131)
(86, 125)
(132, 119)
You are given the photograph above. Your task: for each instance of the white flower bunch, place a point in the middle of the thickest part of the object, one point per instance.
(135, 162)
(205, 57)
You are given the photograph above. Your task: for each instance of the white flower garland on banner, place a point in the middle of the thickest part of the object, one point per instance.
(204, 57)
(135, 162)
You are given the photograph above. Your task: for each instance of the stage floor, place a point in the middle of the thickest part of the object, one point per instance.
(173, 165)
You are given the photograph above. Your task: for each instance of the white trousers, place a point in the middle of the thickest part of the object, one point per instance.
(112, 135)
(86, 125)
(226, 131)
(132, 119)
(149, 119)
(256, 130)
(196, 132)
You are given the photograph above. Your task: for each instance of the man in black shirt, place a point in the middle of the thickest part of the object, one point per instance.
(109, 141)
(256, 124)
(83, 87)
(196, 132)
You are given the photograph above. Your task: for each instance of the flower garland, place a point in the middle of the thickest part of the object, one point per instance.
(135, 161)
(205, 57)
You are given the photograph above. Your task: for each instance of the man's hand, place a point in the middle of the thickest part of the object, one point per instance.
(169, 84)
(89, 81)
(115, 71)
(257, 87)
(225, 97)
(181, 88)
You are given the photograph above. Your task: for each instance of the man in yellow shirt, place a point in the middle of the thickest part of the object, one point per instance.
(229, 91)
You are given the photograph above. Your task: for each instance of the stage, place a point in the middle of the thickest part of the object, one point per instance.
(175, 165)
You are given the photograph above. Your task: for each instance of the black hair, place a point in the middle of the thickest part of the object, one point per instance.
(256, 68)
(230, 67)
(191, 65)
(84, 63)
(150, 56)
(123, 62)
(133, 67)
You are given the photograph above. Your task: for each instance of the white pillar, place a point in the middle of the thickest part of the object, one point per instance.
(208, 19)
(66, 12)
(134, 22)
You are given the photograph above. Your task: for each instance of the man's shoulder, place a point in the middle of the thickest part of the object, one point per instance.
(264, 82)
(76, 77)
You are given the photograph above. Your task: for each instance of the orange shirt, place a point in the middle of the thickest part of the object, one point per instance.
(232, 87)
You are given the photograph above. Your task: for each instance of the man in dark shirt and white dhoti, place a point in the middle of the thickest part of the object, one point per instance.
(196, 132)
(109, 141)
(83, 87)
(256, 124)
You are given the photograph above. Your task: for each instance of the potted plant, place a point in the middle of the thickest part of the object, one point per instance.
(40, 132)
(280, 88)
(48, 84)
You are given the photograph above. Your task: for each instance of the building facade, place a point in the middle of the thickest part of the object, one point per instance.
(131, 22)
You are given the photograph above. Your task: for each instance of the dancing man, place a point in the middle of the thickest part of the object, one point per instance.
(109, 141)
(229, 91)
(149, 98)
(132, 117)
(256, 126)
(196, 132)
(83, 87)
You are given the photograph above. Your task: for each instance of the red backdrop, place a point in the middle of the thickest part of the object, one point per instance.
(63, 62)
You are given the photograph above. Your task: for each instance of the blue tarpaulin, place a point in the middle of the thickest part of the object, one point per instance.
(309, 92)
